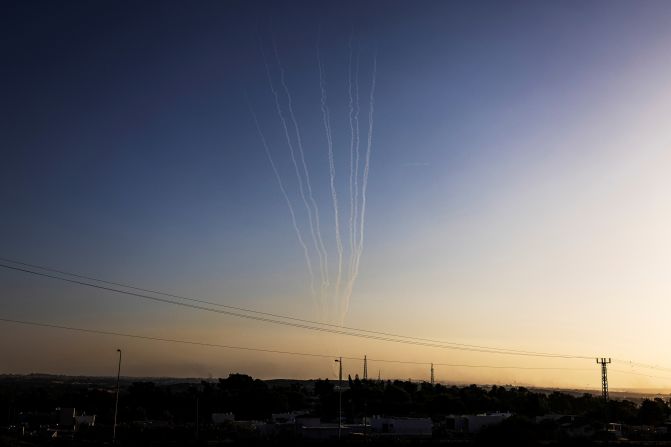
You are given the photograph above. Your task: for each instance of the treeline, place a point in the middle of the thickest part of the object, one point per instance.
(403, 398)
(253, 399)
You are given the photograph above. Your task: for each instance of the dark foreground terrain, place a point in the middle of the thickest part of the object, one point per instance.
(239, 410)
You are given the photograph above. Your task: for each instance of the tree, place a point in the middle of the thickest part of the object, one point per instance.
(653, 412)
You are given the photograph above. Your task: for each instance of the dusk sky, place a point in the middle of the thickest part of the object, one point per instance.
(517, 193)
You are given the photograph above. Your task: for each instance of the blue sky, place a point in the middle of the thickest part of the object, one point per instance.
(512, 144)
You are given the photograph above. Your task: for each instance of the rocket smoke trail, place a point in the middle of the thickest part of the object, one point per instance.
(357, 141)
(296, 169)
(364, 189)
(306, 253)
(347, 271)
(366, 169)
(332, 173)
(351, 153)
(321, 250)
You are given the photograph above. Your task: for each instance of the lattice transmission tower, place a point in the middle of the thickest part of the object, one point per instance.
(604, 376)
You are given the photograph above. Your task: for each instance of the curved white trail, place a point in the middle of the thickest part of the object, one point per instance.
(364, 190)
(321, 249)
(299, 177)
(366, 168)
(357, 142)
(351, 154)
(332, 172)
(334, 298)
(306, 252)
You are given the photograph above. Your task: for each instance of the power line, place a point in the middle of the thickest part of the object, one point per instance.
(264, 350)
(339, 327)
(621, 371)
(342, 330)
(272, 318)
(162, 339)
(531, 368)
(643, 365)
(304, 354)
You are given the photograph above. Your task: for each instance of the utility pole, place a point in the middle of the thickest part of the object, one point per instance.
(339, 397)
(604, 376)
(116, 403)
(432, 375)
(365, 368)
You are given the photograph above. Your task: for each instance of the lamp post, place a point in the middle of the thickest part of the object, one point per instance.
(339, 361)
(116, 403)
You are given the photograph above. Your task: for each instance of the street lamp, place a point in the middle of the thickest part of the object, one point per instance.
(339, 361)
(116, 403)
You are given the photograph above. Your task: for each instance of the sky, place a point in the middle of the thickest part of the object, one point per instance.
(515, 190)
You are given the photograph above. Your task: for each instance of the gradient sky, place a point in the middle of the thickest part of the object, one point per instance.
(518, 193)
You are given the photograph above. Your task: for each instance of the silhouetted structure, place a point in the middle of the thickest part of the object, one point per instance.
(604, 376)
(241, 410)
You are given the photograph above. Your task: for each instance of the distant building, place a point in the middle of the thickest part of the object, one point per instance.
(286, 418)
(402, 426)
(69, 420)
(559, 418)
(473, 423)
(616, 429)
(85, 420)
(220, 418)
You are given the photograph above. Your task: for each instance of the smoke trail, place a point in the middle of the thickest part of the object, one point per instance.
(354, 181)
(354, 175)
(323, 259)
(299, 177)
(357, 140)
(351, 153)
(332, 172)
(366, 169)
(364, 189)
(359, 170)
(306, 253)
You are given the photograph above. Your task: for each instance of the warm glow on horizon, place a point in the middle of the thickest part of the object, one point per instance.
(515, 194)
